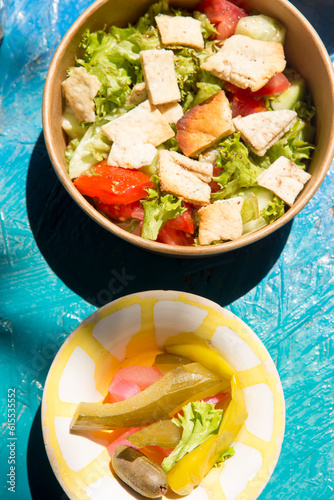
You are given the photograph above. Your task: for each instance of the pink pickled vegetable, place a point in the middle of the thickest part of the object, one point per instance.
(143, 376)
(122, 389)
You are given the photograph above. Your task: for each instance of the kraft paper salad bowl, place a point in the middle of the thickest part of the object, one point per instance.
(304, 52)
(131, 330)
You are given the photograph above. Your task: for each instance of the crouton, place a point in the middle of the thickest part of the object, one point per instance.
(261, 130)
(285, 179)
(188, 179)
(179, 30)
(80, 88)
(144, 121)
(246, 62)
(130, 152)
(204, 125)
(138, 94)
(220, 221)
(160, 76)
(172, 111)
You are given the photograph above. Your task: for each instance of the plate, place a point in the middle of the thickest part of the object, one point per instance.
(136, 327)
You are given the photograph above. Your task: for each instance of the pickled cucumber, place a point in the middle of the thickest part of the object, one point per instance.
(158, 402)
(164, 433)
(166, 362)
(139, 472)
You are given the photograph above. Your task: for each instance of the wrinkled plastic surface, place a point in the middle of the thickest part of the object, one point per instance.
(57, 266)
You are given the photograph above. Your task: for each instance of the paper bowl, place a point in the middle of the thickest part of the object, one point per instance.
(139, 325)
(304, 51)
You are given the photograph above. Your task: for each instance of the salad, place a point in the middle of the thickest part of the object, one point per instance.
(189, 128)
(170, 422)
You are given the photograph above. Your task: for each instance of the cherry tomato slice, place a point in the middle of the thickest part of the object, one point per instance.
(171, 236)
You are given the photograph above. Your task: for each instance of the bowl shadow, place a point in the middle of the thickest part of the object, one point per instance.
(42, 481)
(100, 267)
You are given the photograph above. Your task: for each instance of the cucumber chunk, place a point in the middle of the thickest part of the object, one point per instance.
(261, 27)
(288, 98)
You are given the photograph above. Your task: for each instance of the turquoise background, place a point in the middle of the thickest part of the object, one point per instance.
(57, 266)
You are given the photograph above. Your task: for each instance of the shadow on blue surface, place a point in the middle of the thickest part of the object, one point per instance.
(42, 481)
(100, 267)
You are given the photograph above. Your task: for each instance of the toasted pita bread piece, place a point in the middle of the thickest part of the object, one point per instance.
(171, 111)
(138, 94)
(160, 76)
(285, 179)
(220, 221)
(261, 130)
(144, 121)
(180, 30)
(80, 88)
(246, 62)
(186, 178)
(204, 125)
(130, 152)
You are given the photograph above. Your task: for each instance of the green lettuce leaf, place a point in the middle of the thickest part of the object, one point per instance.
(274, 210)
(238, 169)
(93, 148)
(199, 421)
(159, 209)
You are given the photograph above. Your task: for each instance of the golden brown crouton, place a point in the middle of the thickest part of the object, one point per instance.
(204, 125)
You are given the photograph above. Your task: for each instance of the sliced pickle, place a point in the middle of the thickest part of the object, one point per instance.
(164, 433)
(155, 403)
(167, 362)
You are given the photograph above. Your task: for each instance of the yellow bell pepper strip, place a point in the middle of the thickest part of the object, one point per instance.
(152, 404)
(193, 467)
(204, 355)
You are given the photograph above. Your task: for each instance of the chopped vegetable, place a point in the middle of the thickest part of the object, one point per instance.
(165, 433)
(193, 467)
(199, 421)
(204, 355)
(113, 184)
(159, 401)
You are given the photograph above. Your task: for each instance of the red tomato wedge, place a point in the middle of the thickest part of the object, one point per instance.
(277, 84)
(184, 222)
(112, 185)
(121, 212)
(224, 14)
(247, 105)
(171, 236)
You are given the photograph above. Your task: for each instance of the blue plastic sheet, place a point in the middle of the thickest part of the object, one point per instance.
(57, 266)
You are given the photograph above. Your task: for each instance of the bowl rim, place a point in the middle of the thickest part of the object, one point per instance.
(154, 246)
(161, 295)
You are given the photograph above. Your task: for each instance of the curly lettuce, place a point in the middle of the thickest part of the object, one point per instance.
(237, 170)
(159, 209)
(199, 421)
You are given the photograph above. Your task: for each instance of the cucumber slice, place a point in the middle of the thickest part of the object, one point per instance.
(288, 98)
(261, 27)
